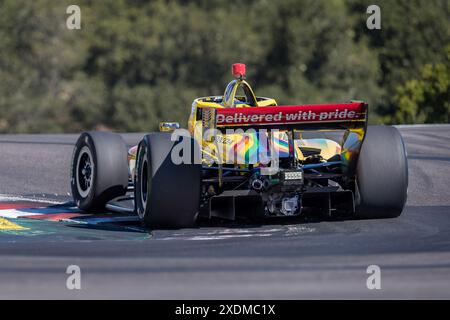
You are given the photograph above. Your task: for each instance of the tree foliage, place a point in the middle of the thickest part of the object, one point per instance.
(427, 98)
(135, 63)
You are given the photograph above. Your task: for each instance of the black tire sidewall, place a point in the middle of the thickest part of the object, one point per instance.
(382, 174)
(111, 172)
(84, 203)
(141, 156)
(173, 191)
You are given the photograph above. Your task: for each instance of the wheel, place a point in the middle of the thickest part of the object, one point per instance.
(381, 174)
(99, 169)
(166, 194)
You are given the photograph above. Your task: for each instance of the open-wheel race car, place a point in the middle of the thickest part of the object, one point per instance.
(244, 155)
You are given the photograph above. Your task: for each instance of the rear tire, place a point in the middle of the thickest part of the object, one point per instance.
(166, 194)
(382, 174)
(99, 170)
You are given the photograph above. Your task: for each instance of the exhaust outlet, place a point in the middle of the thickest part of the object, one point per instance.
(257, 184)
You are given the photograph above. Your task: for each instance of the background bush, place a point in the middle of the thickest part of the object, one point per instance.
(135, 63)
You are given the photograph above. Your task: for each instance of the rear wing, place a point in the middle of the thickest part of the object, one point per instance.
(303, 117)
(351, 117)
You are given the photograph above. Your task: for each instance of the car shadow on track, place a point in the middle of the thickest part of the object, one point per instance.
(114, 222)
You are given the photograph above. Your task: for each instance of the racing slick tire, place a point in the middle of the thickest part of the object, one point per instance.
(166, 194)
(99, 170)
(381, 174)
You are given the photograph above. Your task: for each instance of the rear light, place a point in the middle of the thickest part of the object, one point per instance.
(238, 70)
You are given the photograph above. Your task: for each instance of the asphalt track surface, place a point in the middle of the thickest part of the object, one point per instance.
(281, 259)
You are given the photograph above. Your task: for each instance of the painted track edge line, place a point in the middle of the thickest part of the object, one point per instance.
(5, 197)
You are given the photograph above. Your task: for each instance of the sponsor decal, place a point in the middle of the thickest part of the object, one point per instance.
(290, 114)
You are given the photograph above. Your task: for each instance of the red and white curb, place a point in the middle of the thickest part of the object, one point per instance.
(14, 207)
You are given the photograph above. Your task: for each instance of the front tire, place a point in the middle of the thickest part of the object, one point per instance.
(382, 174)
(99, 170)
(166, 194)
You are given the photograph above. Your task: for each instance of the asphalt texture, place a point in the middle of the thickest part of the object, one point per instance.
(291, 259)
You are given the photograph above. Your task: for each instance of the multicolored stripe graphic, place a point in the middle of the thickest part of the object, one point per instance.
(259, 147)
(254, 147)
(280, 142)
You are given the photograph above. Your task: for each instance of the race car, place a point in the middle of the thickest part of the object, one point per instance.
(246, 156)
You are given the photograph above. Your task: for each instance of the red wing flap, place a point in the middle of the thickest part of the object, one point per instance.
(342, 113)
